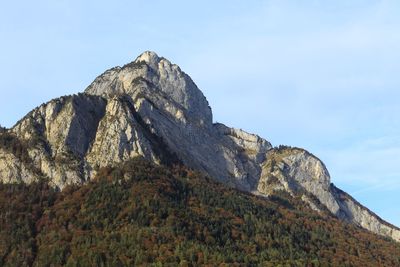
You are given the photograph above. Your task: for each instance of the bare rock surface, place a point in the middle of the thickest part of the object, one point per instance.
(298, 172)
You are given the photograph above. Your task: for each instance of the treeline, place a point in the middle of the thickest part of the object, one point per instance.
(138, 214)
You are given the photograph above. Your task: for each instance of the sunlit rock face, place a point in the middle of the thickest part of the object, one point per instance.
(159, 81)
(151, 108)
(172, 107)
(300, 173)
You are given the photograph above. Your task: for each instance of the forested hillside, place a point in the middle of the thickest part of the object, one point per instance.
(146, 215)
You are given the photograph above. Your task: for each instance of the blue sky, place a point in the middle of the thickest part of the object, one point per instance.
(323, 75)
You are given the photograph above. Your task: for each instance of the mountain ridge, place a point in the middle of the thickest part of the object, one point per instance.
(151, 108)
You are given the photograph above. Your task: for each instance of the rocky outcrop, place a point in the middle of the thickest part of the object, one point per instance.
(159, 81)
(297, 172)
(171, 106)
(151, 108)
(300, 173)
(12, 169)
(59, 134)
(354, 212)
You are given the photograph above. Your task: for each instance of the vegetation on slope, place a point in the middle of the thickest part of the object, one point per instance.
(145, 215)
(12, 144)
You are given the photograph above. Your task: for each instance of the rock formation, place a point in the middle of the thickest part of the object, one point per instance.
(151, 108)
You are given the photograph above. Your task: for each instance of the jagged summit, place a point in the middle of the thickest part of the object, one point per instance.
(160, 81)
(151, 108)
(151, 58)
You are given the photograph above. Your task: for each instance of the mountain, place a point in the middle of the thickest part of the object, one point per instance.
(141, 214)
(152, 109)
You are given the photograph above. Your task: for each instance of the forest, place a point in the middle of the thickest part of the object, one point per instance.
(141, 214)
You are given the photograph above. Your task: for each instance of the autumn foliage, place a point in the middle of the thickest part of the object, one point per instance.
(139, 214)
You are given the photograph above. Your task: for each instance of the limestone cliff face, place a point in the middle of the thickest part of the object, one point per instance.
(300, 173)
(171, 107)
(58, 136)
(12, 169)
(151, 108)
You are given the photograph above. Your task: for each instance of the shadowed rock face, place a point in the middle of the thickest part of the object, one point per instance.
(151, 108)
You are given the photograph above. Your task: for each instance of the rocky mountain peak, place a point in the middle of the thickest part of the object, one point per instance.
(150, 57)
(159, 81)
(151, 108)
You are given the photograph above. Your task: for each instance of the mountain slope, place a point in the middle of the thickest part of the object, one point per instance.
(151, 108)
(137, 213)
